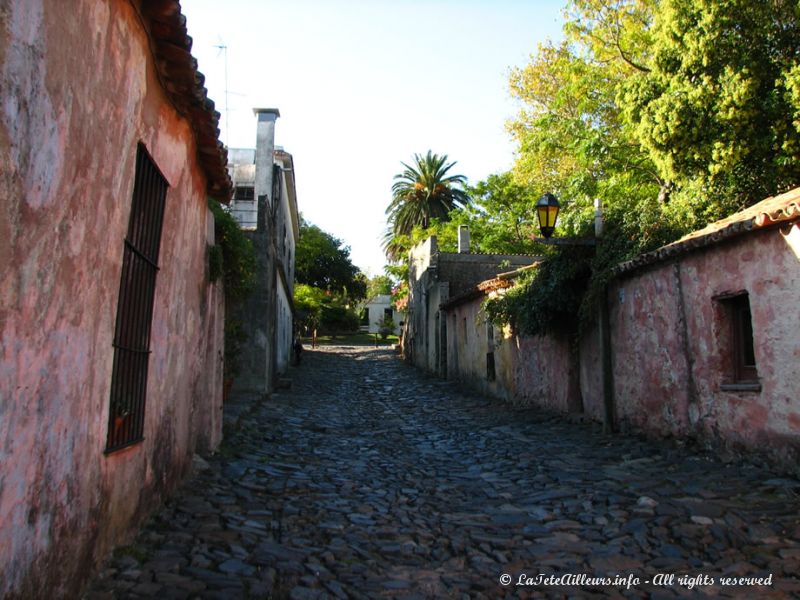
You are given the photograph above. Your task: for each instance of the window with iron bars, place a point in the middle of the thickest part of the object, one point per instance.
(135, 305)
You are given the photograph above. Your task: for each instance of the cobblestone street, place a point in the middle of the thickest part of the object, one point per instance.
(367, 479)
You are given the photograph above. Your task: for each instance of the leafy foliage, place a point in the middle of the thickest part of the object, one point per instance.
(673, 112)
(233, 259)
(501, 218)
(379, 285)
(421, 193)
(323, 261)
(715, 112)
(337, 318)
(320, 309)
(548, 297)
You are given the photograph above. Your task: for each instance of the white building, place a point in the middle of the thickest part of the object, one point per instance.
(375, 310)
(265, 205)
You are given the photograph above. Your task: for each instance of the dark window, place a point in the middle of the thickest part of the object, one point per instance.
(135, 307)
(387, 313)
(490, 370)
(244, 192)
(737, 340)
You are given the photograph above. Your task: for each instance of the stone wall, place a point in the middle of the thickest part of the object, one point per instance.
(68, 140)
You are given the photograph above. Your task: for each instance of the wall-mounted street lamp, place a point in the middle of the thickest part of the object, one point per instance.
(547, 211)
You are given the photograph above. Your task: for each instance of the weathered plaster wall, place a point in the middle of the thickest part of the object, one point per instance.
(425, 295)
(540, 372)
(529, 371)
(466, 347)
(464, 271)
(78, 94)
(668, 374)
(669, 352)
(591, 375)
(649, 361)
(434, 278)
(257, 311)
(283, 329)
(376, 307)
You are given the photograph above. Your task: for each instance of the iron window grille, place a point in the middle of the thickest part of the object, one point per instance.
(135, 305)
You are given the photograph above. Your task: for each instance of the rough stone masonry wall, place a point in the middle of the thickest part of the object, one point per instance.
(79, 92)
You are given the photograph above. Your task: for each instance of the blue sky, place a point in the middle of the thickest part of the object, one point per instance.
(362, 85)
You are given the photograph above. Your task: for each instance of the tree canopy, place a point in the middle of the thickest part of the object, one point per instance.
(379, 285)
(323, 261)
(673, 112)
(717, 110)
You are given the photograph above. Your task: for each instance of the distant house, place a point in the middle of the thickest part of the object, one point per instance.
(374, 310)
(265, 205)
(111, 335)
(701, 341)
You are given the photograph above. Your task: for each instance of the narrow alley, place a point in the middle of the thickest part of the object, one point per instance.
(367, 479)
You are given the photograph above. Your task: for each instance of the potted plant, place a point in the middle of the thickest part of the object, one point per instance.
(385, 327)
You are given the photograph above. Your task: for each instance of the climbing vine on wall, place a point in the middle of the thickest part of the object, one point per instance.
(233, 260)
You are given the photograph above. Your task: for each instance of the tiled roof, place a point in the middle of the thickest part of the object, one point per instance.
(183, 83)
(777, 209)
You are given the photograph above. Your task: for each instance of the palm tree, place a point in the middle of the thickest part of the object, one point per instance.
(423, 192)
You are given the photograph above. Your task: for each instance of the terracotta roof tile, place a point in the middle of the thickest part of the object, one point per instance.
(184, 84)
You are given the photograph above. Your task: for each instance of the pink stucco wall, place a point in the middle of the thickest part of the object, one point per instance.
(668, 375)
(78, 94)
(650, 369)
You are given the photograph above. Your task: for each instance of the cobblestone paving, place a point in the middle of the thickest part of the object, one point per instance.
(368, 480)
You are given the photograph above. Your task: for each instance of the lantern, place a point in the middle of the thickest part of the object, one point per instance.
(547, 211)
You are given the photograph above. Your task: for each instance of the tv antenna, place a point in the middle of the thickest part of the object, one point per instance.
(223, 48)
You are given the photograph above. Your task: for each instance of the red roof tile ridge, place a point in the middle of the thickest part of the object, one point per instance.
(184, 85)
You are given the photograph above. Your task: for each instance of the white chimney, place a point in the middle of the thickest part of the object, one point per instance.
(463, 239)
(265, 147)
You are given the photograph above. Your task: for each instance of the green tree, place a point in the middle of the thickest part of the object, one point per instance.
(321, 309)
(324, 262)
(717, 111)
(420, 193)
(571, 136)
(379, 285)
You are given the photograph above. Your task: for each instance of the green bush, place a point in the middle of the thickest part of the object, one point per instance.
(338, 319)
(238, 257)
